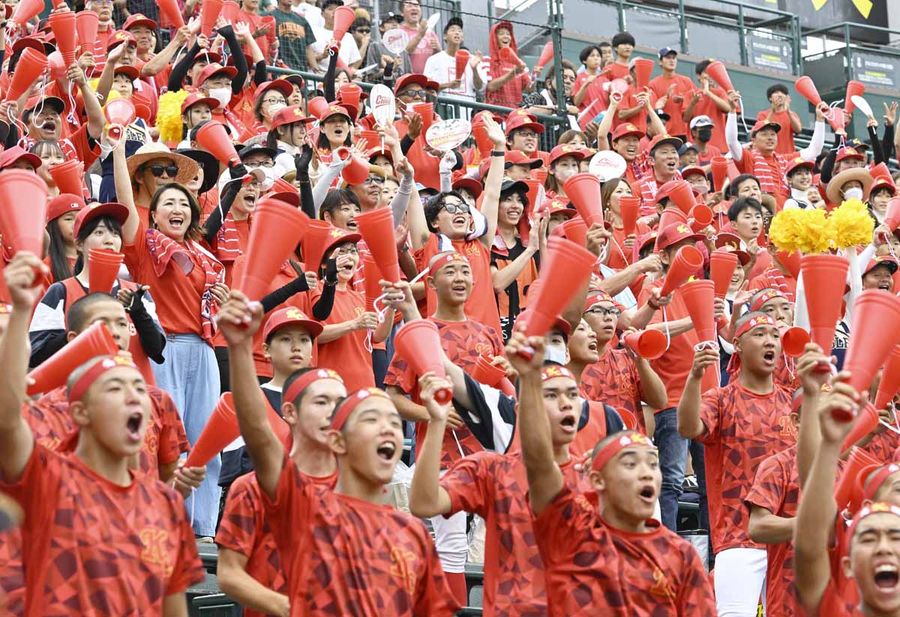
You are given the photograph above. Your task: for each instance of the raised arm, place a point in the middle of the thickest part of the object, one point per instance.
(809, 437)
(731, 137)
(122, 179)
(238, 321)
(490, 204)
(817, 142)
(426, 496)
(164, 58)
(689, 423)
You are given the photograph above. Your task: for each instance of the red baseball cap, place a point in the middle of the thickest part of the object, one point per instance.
(62, 204)
(626, 129)
(798, 162)
(692, 170)
(12, 155)
(131, 71)
(662, 139)
(282, 85)
(290, 115)
(762, 124)
(115, 210)
(334, 110)
(410, 79)
(517, 157)
(674, 234)
(137, 19)
(519, 119)
(339, 236)
(560, 151)
(119, 37)
(462, 181)
(212, 69)
(195, 99)
(559, 205)
(291, 316)
(882, 260)
(849, 153)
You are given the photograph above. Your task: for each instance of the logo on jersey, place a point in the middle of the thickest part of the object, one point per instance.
(155, 551)
(403, 567)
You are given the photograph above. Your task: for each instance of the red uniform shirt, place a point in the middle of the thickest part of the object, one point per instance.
(581, 562)
(776, 488)
(463, 342)
(785, 143)
(741, 429)
(682, 87)
(346, 556)
(707, 107)
(245, 530)
(495, 487)
(614, 380)
(348, 354)
(91, 547)
(663, 574)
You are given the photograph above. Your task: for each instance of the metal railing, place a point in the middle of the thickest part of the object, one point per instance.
(851, 46)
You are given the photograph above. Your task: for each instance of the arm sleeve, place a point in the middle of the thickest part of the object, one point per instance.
(877, 152)
(180, 70)
(329, 77)
(492, 418)
(323, 185)
(47, 331)
(240, 60)
(887, 142)
(406, 144)
(401, 200)
(259, 72)
(731, 138)
(321, 310)
(214, 221)
(828, 163)
(151, 335)
(307, 202)
(816, 144)
(280, 295)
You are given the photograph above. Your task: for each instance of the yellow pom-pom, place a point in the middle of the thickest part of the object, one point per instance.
(786, 229)
(168, 116)
(815, 237)
(850, 224)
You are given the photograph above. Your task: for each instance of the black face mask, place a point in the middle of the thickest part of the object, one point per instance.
(704, 134)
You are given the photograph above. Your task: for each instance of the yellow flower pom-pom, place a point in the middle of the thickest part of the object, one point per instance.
(850, 224)
(786, 229)
(815, 237)
(168, 117)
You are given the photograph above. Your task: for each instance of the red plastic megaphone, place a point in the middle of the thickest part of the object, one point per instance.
(69, 176)
(682, 195)
(377, 229)
(719, 167)
(686, 263)
(86, 25)
(575, 230)
(349, 96)
(719, 74)
(371, 277)
(231, 11)
(209, 15)
(103, 269)
(699, 297)
(491, 375)
(824, 277)
(854, 88)
(890, 380)
(701, 217)
(419, 343)
(172, 12)
(508, 55)
(213, 138)
(567, 267)
(643, 68)
(462, 61)
(721, 268)
(55, 370)
(119, 111)
(649, 344)
(313, 245)
(629, 207)
(26, 10)
(864, 424)
(23, 215)
(343, 19)
(892, 215)
(857, 460)
(482, 141)
(583, 190)
(317, 106)
(545, 57)
(354, 172)
(275, 232)
(63, 26)
(31, 65)
(807, 89)
(793, 341)
(426, 110)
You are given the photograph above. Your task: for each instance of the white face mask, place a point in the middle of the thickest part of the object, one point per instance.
(223, 95)
(556, 353)
(274, 108)
(854, 193)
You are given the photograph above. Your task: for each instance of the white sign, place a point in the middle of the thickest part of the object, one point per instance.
(383, 104)
(395, 40)
(448, 134)
(607, 165)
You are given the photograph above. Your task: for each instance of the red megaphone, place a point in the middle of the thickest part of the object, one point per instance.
(209, 15)
(343, 19)
(317, 106)
(63, 27)
(701, 217)
(462, 61)
(643, 68)
(699, 297)
(69, 176)
(29, 68)
(274, 233)
(682, 195)
(719, 167)
(793, 341)
(349, 95)
(371, 276)
(864, 424)
(721, 268)
(575, 230)
(103, 269)
(213, 138)
(892, 215)
(508, 55)
(426, 110)
(491, 375)
(545, 57)
(24, 212)
(419, 343)
(807, 89)
(856, 462)
(313, 244)
(377, 229)
(354, 172)
(629, 207)
(55, 370)
(719, 74)
(482, 141)
(790, 261)
(583, 190)
(86, 25)
(686, 263)
(824, 277)
(172, 12)
(854, 88)
(649, 344)
(26, 10)
(567, 267)
(119, 111)
(890, 380)
(231, 11)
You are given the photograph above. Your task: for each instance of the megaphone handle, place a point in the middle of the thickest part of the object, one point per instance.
(443, 396)
(842, 415)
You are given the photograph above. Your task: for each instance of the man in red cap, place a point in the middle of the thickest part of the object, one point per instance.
(740, 425)
(626, 142)
(879, 273)
(605, 556)
(523, 132)
(664, 160)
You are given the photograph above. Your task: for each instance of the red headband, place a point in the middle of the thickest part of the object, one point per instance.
(339, 419)
(622, 441)
(754, 322)
(300, 384)
(555, 370)
(87, 379)
(877, 478)
(872, 508)
(442, 259)
(764, 296)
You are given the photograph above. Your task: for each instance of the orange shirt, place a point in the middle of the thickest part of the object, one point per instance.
(95, 544)
(348, 354)
(346, 556)
(495, 487)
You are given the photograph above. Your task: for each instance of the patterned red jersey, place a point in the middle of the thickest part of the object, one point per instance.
(884, 446)
(495, 487)
(741, 430)
(580, 559)
(614, 380)
(12, 578)
(245, 530)
(776, 488)
(463, 342)
(662, 574)
(346, 556)
(91, 547)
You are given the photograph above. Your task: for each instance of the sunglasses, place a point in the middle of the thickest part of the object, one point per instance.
(158, 170)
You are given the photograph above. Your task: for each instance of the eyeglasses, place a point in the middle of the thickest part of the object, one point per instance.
(158, 170)
(604, 312)
(264, 163)
(272, 101)
(455, 206)
(374, 180)
(347, 250)
(526, 133)
(418, 93)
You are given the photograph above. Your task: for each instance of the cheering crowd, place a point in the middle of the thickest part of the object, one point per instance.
(360, 347)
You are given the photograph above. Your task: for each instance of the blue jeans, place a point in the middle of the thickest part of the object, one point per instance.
(672, 459)
(191, 377)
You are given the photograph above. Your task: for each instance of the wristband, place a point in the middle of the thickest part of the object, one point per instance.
(652, 304)
(498, 153)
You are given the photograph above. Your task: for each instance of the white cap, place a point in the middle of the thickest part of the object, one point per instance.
(700, 121)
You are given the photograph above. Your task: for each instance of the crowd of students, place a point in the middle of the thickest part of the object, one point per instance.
(555, 456)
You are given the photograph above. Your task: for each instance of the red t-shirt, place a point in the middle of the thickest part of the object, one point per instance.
(675, 125)
(707, 107)
(346, 556)
(463, 342)
(91, 547)
(785, 144)
(348, 354)
(495, 487)
(245, 530)
(582, 565)
(614, 380)
(662, 573)
(836, 604)
(741, 429)
(776, 488)
(629, 101)
(481, 305)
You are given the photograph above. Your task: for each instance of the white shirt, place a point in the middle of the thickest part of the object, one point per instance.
(441, 67)
(311, 13)
(349, 52)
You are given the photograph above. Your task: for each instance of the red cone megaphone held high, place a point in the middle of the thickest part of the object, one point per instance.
(462, 61)
(213, 138)
(356, 171)
(649, 344)
(23, 195)
(719, 167)
(86, 25)
(686, 263)
(489, 374)
(583, 190)
(857, 460)
(628, 210)
(890, 380)
(575, 230)
(567, 268)
(682, 195)
(719, 74)
(172, 12)
(119, 111)
(824, 277)
(793, 341)
(26, 10)
(419, 343)
(29, 68)
(701, 217)
(209, 15)
(103, 269)
(63, 26)
(721, 268)
(54, 371)
(343, 19)
(276, 230)
(864, 424)
(892, 215)
(545, 57)
(377, 229)
(231, 11)
(317, 106)
(699, 297)
(371, 276)
(68, 176)
(313, 245)
(854, 88)
(808, 90)
(643, 68)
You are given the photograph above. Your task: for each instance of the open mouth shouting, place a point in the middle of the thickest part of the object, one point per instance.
(648, 494)
(569, 423)
(133, 426)
(769, 357)
(386, 451)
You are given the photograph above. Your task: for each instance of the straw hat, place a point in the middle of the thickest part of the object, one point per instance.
(833, 190)
(187, 168)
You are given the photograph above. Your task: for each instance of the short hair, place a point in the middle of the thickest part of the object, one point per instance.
(702, 66)
(359, 22)
(294, 377)
(776, 88)
(335, 199)
(433, 206)
(583, 56)
(453, 21)
(77, 313)
(743, 203)
(623, 38)
(735, 184)
(604, 45)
